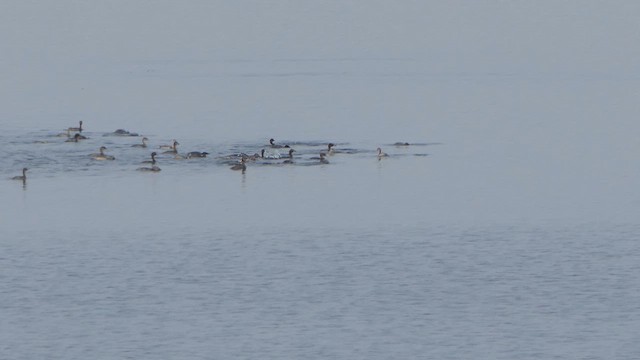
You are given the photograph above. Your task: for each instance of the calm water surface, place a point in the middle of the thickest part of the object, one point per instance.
(294, 261)
(493, 236)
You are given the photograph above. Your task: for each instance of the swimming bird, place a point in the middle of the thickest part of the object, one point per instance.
(153, 159)
(174, 150)
(290, 159)
(143, 145)
(381, 154)
(240, 166)
(75, 138)
(277, 146)
(254, 157)
(101, 151)
(101, 155)
(149, 169)
(122, 132)
(401, 144)
(330, 150)
(172, 146)
(321, 158)
(291, 151)
(23, 177)
(79, 128)
(197, 154)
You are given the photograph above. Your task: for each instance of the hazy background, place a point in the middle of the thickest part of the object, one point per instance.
(537, 98)
(512, 235)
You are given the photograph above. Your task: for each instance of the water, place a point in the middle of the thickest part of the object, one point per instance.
(358, 258)
(506, 230)
(415, 292)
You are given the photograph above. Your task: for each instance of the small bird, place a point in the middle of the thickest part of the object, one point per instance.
(381, 154)
(290, 159)
(171, 147)
(240, 166)
(153, 159)
(277, 146)
(330, 150)
(255, 156)
(197, 154)
(101, 155)
(149, 169)
(143, 145)
(77, 137)
(23, 177)
(79, 128)
(122, 132)
(321, 158)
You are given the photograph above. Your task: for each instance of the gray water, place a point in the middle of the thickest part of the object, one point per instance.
(507, 229)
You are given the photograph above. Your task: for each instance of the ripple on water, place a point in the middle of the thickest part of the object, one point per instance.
(48, 153)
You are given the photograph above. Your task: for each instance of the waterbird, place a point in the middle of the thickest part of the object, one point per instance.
(291, 151)
(381, 154)
(23, 177)
(290, 159)
(240, 166)
(254, 157)
(75, 138)
(153, 159)
(122, 132)
(172, 146)
(276, 146)
(197, 154)
(101, 155)
(149, 169)
(143, 145)
(330, 150)
(321, 158)
(79, 128)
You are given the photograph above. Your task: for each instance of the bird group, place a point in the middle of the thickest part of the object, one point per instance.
(238, 162)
